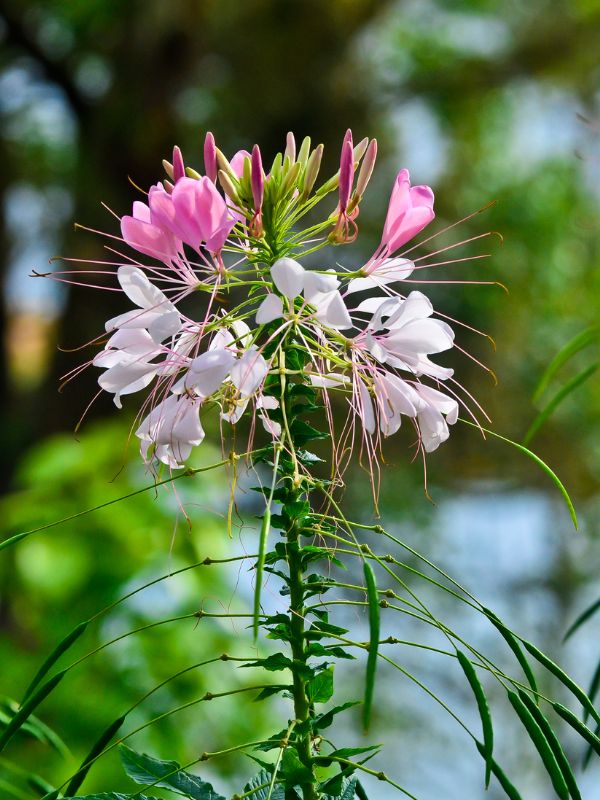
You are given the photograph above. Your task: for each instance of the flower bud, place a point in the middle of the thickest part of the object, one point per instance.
(312, 169)
(346, 174)
(276, 166)
(225, 166)
(178, 165)
(191, 173)
(168, 167)
(258, 178)
(304, 150)
(168, 186)
(290, 147)
(228, 186)
(364, 175)
(360, 148)
(210, 157)
(291, 177)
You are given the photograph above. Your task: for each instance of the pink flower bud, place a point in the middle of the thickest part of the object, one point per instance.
(410, 210)
(210, 157)
(178, 165)
(258, 178)
(346, 175)
(290, 147)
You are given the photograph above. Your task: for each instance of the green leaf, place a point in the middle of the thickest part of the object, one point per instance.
(555, 745)
(320, 688)
(579, 342)
(114, 796)
(293, 770)
(144, 769)
(514, 645)
(374, 631)
(302, 433)
(541, 744)
(556, 400)
(501, 777)
(269, 691)
(88, 761)
(28, 708)
(484, 712)
(260, 784)
(552, 475)
(583, 617)
(348, 790)
(325, 720)
(273, 663)
(60, 648)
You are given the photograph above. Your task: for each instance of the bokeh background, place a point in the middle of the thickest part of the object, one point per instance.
(486, 100)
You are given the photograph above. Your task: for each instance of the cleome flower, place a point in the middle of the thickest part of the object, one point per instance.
(236, 233)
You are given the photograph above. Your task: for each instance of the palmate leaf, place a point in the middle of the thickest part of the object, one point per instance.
(116, 796)
(144, 769)
(260, 784)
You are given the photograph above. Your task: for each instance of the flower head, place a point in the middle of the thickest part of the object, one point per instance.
(207, 246)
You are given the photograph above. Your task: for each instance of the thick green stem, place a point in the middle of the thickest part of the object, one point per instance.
(302, 707)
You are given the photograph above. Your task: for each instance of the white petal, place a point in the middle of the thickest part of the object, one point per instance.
(222, 338)
(318, 282)
(433, 428)
(332, 311)
(421, 336)
(328, 381)
(127, 378)
(242, 333)
(416, 306)
(288, 277)
(365, 409)
(271, 308)
(267, 401)
(446, 405)
(165, 326)
(208, 372)
(140, 291)
(248, 372)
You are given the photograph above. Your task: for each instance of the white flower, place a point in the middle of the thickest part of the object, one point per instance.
(173, 428)
(158, 315)
(206, 373)
(383, 272)
(320, 291)
(435, 406)
(402, 335)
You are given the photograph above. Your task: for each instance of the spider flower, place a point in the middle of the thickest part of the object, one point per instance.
(190, 248)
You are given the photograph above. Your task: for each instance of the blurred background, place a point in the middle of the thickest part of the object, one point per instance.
(485, 100)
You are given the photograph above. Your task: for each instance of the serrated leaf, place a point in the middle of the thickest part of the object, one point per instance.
(260, 783)
(145, 769)
(273, 663)
(484, 712)
(320, 688)
(348, 791)
(325, 720)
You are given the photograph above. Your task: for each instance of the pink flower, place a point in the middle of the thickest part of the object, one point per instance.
(258, 191)
(210, 157)
(237, 162)
(178, 165)
(409, 211)
(153, 240)
(194, 212)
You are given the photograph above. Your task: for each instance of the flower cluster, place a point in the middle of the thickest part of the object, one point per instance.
(215, 276)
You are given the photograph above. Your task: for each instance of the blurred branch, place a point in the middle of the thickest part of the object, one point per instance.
(18, 36)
